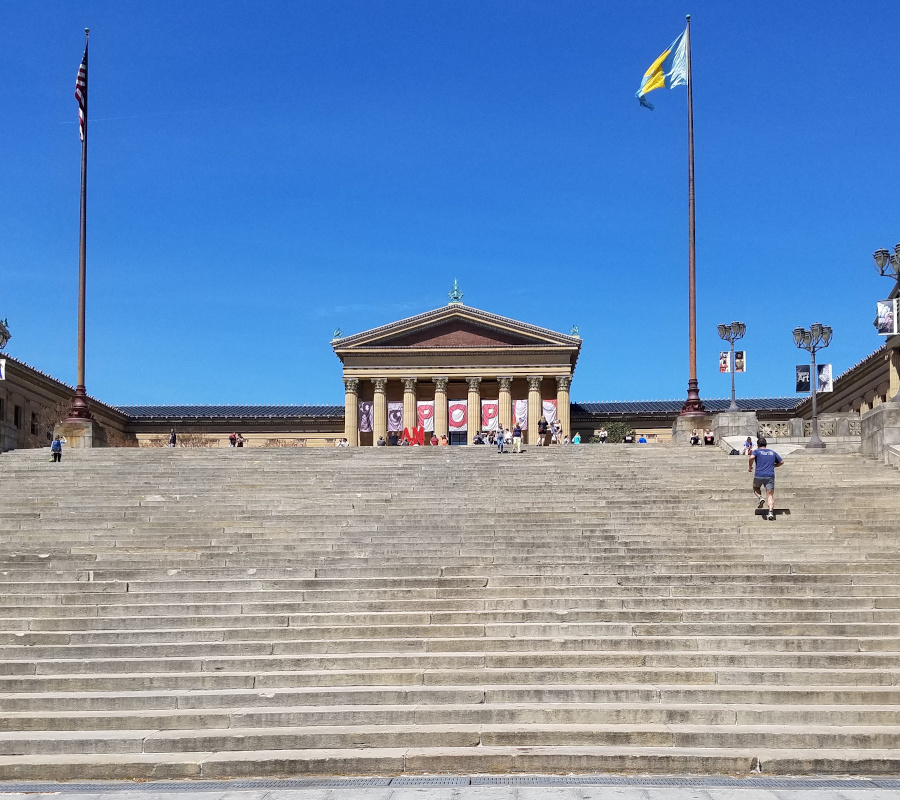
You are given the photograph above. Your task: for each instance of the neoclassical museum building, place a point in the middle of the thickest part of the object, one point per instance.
(454, 370)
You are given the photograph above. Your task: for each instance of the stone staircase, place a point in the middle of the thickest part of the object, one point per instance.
(222, 613)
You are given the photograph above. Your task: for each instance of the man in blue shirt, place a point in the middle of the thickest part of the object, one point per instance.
(766, 461)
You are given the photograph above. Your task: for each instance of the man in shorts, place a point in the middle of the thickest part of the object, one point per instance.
(766, 462)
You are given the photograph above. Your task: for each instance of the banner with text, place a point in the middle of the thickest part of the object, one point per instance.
(490, 415)
(395, 415)
(520, 413)
(425, 410)
(458, 415)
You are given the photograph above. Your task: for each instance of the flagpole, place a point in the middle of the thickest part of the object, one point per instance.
(80, 409)
(693, 405)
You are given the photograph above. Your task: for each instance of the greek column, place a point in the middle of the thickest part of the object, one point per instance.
(534, 407)
(474, 409)
(379, 410)
(351, 411)
(562, 403)
(440, 407)
(505, 403)
(893, 394)
(410, 413)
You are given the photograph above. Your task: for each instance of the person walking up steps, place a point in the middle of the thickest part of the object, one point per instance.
(766, 461)
(56, 449)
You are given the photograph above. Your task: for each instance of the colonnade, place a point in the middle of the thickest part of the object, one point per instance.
(441, 421)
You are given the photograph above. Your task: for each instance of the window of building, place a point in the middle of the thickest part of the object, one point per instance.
(2, 410)
(34, 424)
(17, 416)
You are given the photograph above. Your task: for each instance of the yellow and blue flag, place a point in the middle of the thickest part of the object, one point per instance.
(667, 72)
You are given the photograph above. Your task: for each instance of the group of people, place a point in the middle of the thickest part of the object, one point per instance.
(397, 439)
(700, 436)
(235, 440)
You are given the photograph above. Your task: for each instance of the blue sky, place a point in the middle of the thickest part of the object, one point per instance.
(263, 173)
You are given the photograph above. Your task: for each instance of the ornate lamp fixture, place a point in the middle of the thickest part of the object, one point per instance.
(816, 338)
(888, 265)
(731, 333)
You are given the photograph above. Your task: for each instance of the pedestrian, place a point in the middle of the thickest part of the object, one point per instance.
(444, 442)
(603, 435)
(695, 437)
(172, 438)
(56, 449)
(500, 440)
(556, 433)
(517, 438)
(765, 461)
(434, 440)
(380, 442)
(576, 439)
(543, 428)
(232, 440)
(708, 437)
(748, 447)
(240, 440)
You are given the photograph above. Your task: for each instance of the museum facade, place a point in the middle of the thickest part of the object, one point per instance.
(453, 371)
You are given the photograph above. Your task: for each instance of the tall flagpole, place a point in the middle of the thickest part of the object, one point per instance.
(693, 404)
(80, 409)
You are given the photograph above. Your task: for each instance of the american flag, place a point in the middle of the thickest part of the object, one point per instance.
(81, 92)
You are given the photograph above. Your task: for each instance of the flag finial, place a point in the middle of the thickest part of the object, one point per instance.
(455, 294)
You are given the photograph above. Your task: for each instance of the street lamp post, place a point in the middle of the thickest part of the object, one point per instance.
(731, 333)
(817, 337)
(888, 266)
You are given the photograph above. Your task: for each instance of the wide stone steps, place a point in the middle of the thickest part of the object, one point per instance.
(261, 612)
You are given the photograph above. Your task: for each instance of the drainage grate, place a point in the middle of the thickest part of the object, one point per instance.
(430, 780)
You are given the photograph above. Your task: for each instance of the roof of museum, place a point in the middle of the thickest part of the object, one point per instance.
(229, 411)
(334, 411)
(674, 406)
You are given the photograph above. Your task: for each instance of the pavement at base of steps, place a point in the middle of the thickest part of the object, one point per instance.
(436, 788)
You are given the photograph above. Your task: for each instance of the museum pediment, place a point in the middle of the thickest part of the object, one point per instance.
(455, 326)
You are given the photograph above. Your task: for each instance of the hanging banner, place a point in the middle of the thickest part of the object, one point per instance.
(740, 360)
(802, 378)
(825, 383)
(425, 410)
(395, 415)
(365, 416)
(548, 409)
(2, 369)
(458, 415)
(490, 415)
(886, 317)
(520, 413)
(724, 361)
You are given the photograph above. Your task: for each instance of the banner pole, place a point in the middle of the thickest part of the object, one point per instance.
(80, 409)
(693, 404)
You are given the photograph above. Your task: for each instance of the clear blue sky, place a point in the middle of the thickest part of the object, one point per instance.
(262, 173)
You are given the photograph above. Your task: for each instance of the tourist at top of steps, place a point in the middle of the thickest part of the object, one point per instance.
(173, 439)
(576, 439)
(603, 435)
(56, 449)
(517, 438)
(232, 440)
(501, 440)
(748, 447)
(695, 437)
(240, 440)
(543, 427)
(381, 442)
(708, 437)
(765, 461)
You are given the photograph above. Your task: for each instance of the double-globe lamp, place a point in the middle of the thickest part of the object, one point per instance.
(817, 337)
(731, 333)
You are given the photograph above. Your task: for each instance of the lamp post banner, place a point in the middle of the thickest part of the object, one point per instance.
(802, 378)
(724, 361)
(548, 409)
(490, 415)
(824, 384)
(395, 415)
(425, 409)
(2, 369)
(458, 413)
(520, 413)
(740, 360)
(886, 317)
